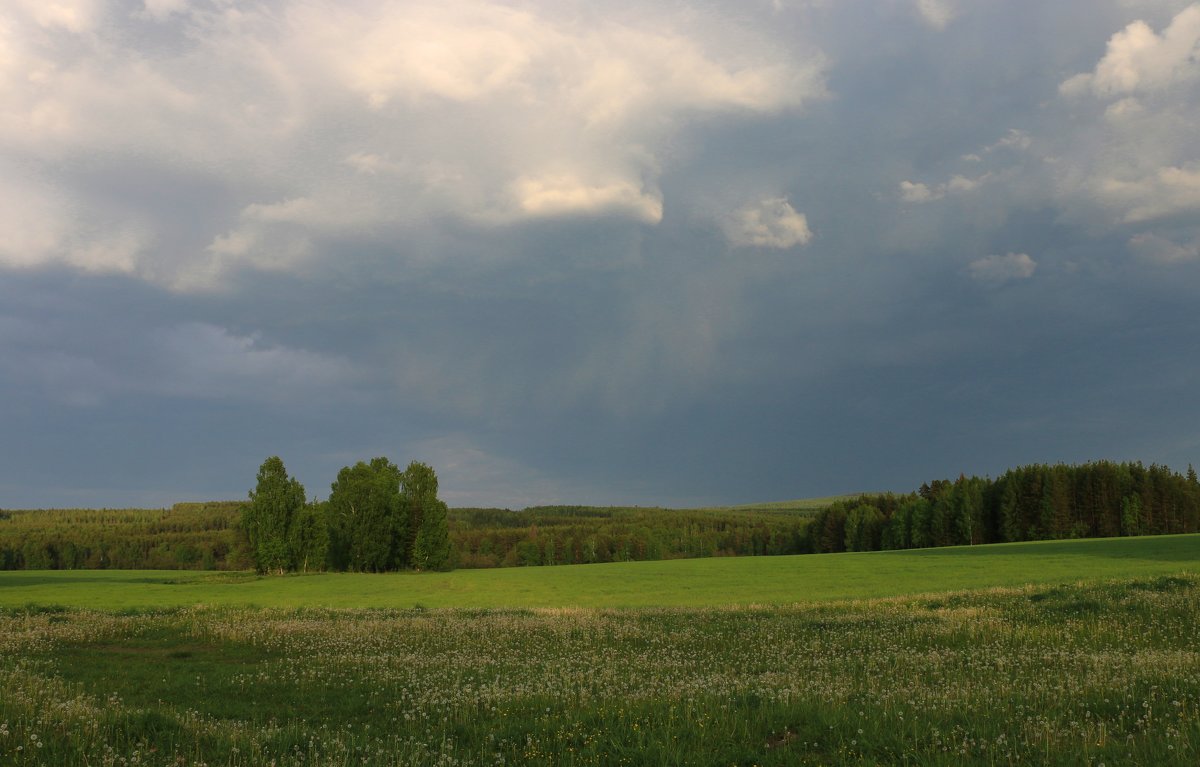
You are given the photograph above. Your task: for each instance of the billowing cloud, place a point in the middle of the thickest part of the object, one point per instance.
(997, 269)
(1131, 159)
(43, 225)
(567, 195)
(771, 222)
(319, 117)
(1140, 60)
(1162, 193)
(77, 16)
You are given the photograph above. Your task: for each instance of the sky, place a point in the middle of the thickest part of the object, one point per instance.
(653, 252)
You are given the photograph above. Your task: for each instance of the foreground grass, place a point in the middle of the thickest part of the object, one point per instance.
(692, 583)
(1083, 674)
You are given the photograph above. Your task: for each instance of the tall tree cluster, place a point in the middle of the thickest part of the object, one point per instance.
(378, 518)
(1038, 502)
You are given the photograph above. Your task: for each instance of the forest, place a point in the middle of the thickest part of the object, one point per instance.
(1096, 500)
(375, 515)
(190, 536)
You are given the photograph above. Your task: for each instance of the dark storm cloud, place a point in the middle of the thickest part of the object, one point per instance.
(722, 255)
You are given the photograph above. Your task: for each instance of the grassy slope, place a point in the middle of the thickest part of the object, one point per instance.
(691, 583)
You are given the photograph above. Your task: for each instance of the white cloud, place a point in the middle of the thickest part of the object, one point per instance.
(113, 251)
(1164, 192)
(77, 16)
(42, 225)
(937, 13)
(1135, 162)
(958, 184)
(567, 195)
(769, 223)
(1014, 139)
(33, 221)
(1139, 60)
(1161, 250)
(458, 51)
(323, 117)
(253, 244)
(916, 192)
(1127, 107)
(997, 269)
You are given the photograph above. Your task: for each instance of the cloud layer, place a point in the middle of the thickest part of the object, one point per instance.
(663, 252)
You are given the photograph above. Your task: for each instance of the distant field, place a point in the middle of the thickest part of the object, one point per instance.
(677, 583)
(802, 504)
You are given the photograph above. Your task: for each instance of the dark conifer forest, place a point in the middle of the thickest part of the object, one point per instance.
(1040, 502)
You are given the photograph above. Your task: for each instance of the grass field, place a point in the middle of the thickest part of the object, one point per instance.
(767, 661)
(801, 504)
(684, 583)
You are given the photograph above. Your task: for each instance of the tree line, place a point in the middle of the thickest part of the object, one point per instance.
(556, 535)
(377, 519)
(308, 536)
(1038, 502)
(201, 536)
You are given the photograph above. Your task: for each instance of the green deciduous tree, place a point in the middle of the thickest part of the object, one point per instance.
(968, 510)
(427, 518)
(1131, 515)
(367, 523)
(308, 538)
(380, 518)
(268, 517)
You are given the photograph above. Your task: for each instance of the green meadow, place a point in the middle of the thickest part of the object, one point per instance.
(1073, 653)
(682, 583)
